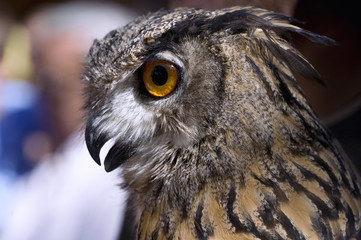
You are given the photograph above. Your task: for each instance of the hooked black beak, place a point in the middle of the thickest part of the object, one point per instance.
(94, 142)
(118, 154)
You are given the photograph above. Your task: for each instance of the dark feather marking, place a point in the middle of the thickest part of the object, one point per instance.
(198, 223)
(139, 227)
(233, 218)
(322, 228)
(291, 231)
(285, 91)
(332, 191)
(281, 196)
(296, 106)
(249, 226)
(281, 176)
(292, 83)
(266, 213)
(356, 191)
(326, 212)
(174, 159)
(209, 230)
(284, 81)
(263, 235)
(350, 225)
(324, 166)
(358, 236)
(345, 180)
(329, 171)
(166, 223)
(288, 82)
(184, 207)
(155, 233)
(327, 142)
(262, 78)
(159, 188)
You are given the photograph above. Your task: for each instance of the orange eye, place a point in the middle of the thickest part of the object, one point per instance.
(160, 77)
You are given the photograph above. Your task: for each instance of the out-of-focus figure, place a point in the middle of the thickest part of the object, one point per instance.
(65, 197)
(23, 125)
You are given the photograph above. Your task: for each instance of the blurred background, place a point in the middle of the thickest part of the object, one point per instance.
(49, 187)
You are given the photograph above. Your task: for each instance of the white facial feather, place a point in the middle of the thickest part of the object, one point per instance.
(130, 118)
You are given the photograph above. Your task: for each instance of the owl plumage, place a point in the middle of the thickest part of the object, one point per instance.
(231, 150)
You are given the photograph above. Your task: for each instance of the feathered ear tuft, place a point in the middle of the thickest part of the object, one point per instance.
(286, 53)
(272, 31)
(268, 30)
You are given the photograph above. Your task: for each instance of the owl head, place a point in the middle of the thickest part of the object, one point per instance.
(173, 83)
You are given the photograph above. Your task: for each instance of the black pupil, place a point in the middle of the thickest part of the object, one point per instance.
(159, 75)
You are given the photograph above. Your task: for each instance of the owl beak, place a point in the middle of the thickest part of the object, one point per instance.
(118, 153)
(94, 141)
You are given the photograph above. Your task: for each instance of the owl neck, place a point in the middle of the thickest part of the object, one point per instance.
(217, 196)
(206, 175)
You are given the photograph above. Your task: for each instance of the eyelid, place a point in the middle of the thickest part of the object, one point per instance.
(170, 57)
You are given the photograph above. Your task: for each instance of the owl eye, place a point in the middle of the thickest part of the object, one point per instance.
(160, 77)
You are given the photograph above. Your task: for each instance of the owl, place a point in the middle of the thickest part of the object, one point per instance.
(214, 138)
